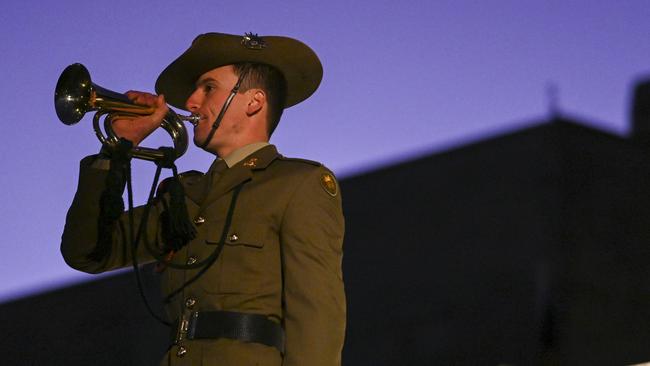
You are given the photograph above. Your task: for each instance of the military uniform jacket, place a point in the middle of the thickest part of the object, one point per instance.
(282, 256)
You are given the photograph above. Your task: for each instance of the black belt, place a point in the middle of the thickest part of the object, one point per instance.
(228, 324)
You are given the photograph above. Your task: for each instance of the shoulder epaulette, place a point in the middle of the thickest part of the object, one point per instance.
(310, 162)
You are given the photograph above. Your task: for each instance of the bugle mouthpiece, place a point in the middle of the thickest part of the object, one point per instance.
(193, 119)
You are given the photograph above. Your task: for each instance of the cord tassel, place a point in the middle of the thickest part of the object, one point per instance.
(178, 229)
(111, 204)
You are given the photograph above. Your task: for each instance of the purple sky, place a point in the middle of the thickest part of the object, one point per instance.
(401, 79)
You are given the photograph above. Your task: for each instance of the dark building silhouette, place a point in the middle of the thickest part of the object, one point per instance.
(529, 248)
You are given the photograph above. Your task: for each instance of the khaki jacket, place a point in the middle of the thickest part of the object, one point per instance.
(282, 256)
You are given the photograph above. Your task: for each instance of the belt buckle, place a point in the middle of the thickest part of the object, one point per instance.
(186, 327)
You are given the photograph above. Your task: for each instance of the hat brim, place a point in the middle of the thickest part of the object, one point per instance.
(300, 66)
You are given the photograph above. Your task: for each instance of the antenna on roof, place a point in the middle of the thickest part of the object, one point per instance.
(553, 99)
(640, 111)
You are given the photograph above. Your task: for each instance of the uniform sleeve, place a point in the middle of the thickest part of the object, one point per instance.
(312, 239)
(80, 234)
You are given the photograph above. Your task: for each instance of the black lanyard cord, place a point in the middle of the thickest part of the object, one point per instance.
(142, 235)
(217, 251)
(134, 241)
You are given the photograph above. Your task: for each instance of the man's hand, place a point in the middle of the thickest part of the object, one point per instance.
(137, 129)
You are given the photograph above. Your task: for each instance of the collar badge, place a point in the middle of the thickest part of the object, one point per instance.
(251, 163)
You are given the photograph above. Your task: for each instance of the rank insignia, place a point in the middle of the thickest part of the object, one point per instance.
(253, 42)
(328, 183)
(251, 163)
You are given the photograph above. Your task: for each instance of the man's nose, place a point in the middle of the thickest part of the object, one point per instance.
(192, 103)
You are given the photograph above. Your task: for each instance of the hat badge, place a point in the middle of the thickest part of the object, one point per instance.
(253, 42)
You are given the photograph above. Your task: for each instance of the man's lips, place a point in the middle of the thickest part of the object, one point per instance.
(202, 118)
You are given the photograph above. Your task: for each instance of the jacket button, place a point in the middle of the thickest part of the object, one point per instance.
(190, 302)
(233, 237)
(199, 220)
(181, 351)
(191, 260)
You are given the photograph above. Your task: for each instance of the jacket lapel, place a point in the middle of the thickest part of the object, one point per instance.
(195, 185)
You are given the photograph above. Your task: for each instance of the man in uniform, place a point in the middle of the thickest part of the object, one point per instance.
(260, 283)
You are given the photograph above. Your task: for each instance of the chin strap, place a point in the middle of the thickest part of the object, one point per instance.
(224, 108)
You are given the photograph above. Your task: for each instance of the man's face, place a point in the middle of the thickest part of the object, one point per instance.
(212, 90)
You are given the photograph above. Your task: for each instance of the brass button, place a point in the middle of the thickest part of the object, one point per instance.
(199, 220)
(181, 351)
(233, 237)
(190, 302)
(191, 260)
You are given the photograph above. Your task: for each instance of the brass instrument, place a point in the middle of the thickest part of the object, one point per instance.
(75, 95)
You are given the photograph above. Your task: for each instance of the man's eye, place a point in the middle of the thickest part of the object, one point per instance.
(208, 88)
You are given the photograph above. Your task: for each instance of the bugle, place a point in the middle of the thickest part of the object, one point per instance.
(76, 95)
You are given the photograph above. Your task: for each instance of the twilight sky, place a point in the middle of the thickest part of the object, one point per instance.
(401, 79)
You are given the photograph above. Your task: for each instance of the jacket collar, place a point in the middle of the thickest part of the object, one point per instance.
(231, 177)
(241, 153)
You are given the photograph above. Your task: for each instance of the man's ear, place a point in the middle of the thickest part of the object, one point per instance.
(256, 101)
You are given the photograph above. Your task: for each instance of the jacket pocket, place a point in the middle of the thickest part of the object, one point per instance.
(246, 264)
(248, 235)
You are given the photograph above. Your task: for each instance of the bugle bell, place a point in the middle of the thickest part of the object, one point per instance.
(76, 95)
